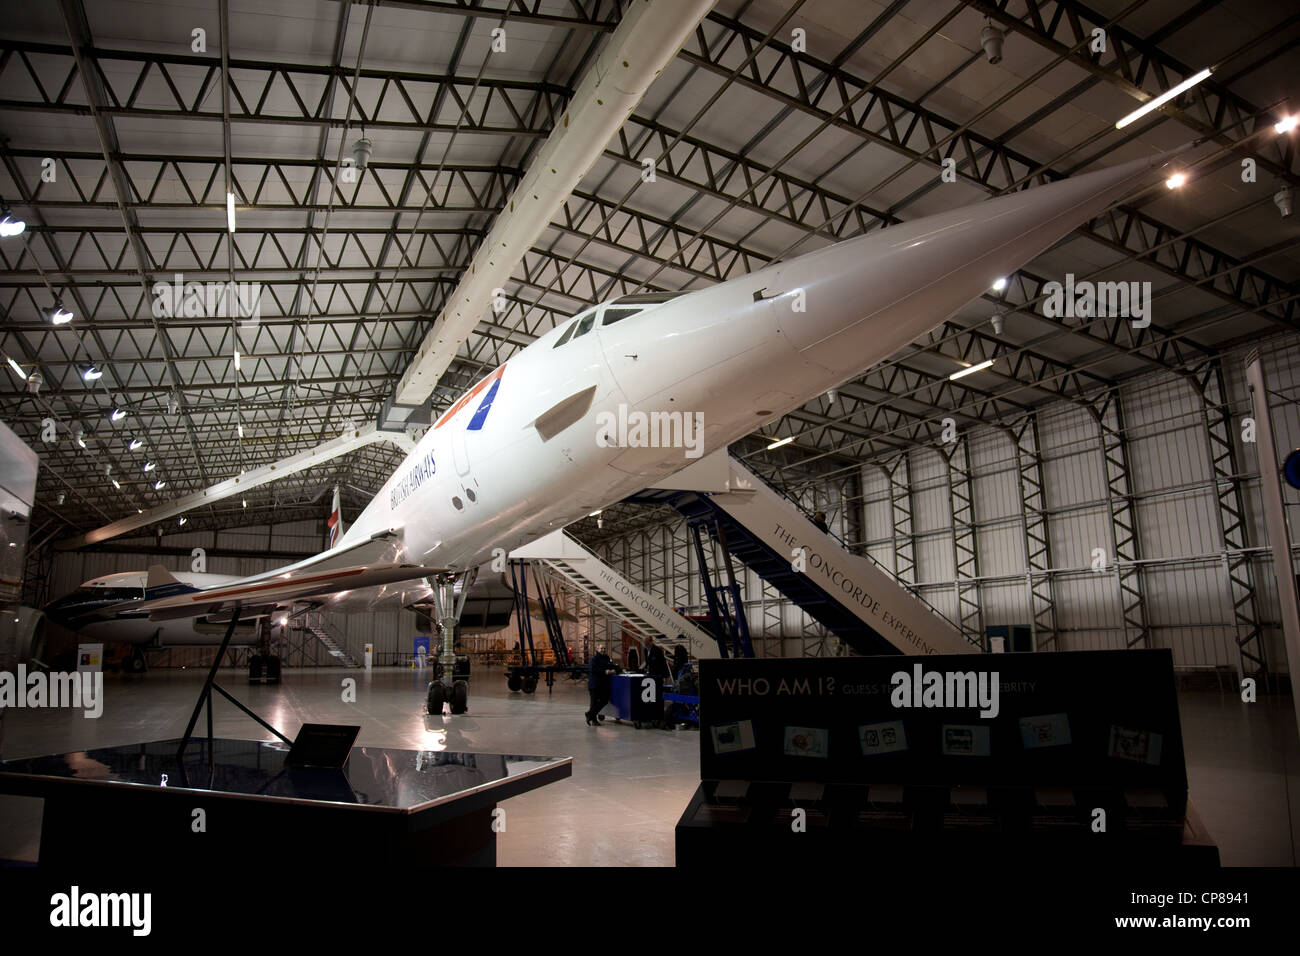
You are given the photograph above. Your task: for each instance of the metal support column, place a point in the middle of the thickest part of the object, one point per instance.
(1033, 514)
(1279, 537)
(1220, 438)
(965, 555)
(1123, 517)
(900, 500)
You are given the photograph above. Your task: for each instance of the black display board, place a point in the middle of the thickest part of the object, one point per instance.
(1063, 719)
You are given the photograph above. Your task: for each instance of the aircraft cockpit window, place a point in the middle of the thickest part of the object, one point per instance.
(618, 313)
(580, 327)
(568, 334)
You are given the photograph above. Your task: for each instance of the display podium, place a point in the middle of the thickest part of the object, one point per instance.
(636, 698)
(385, 807)
(1059, 759)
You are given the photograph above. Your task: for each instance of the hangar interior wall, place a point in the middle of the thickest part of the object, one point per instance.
(1133, 520)
(391, 632)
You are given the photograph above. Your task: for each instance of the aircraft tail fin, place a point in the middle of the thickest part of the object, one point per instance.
(335, 521)
(162, 583)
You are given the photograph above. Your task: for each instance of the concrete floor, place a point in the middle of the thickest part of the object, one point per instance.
(628, 786)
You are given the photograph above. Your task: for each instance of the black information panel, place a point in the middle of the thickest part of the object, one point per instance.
(1070, 758)
(1068, 719)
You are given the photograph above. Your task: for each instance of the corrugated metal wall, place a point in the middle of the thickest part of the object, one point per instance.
(1187, 601)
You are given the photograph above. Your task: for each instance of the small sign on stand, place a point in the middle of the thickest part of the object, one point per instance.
(90, 657)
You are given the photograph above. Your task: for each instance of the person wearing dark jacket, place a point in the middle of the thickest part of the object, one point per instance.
(680, 656)
(819, 519)
(656, 664)
(598, 675)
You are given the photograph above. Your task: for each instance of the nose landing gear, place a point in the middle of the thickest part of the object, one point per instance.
(445, 688)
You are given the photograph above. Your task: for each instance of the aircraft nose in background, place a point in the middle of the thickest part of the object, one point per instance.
(876, 293)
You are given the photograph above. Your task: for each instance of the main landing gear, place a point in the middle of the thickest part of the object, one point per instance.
(445, 688)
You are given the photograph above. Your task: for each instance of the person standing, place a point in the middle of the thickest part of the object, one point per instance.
(656, 664)
(598, 675)
(819, 519)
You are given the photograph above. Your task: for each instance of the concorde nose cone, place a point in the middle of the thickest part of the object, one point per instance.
(866, 298)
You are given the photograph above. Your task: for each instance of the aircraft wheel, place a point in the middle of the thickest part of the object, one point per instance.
(514, 682)
(437, 695)
(530, 685)
(459, 697)
(135, 663)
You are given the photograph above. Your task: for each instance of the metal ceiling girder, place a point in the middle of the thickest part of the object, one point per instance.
(587, 17)
(199, 187)
(645, 42)
(259, 77)
(74, 18)
(906, 123)
(1133, 58)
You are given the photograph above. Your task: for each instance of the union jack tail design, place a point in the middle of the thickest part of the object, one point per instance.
(335, 522)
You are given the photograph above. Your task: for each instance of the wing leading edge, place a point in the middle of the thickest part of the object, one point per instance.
(260, 592)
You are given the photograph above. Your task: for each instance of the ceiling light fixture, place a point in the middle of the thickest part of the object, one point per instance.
(117, 415)
(236, 360)
(230, 211)
(361, 151)
(1286, 124)
(58, 314)
(159, 485)
(149, 466)
(970, 370)
(1163, 98)
(116, 484)
(1284, 199)
(92, 373)
(779, 442)
(1176, 180)
(18, 369)
(135, 443)
(991, 39)
(10, 225)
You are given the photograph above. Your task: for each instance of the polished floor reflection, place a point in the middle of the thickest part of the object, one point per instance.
(628, 786)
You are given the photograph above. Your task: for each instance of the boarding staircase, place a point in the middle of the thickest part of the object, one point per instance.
(850, 595)
(314, 623)
(594, 581)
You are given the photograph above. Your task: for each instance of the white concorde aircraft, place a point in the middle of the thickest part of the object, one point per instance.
(527, 450)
